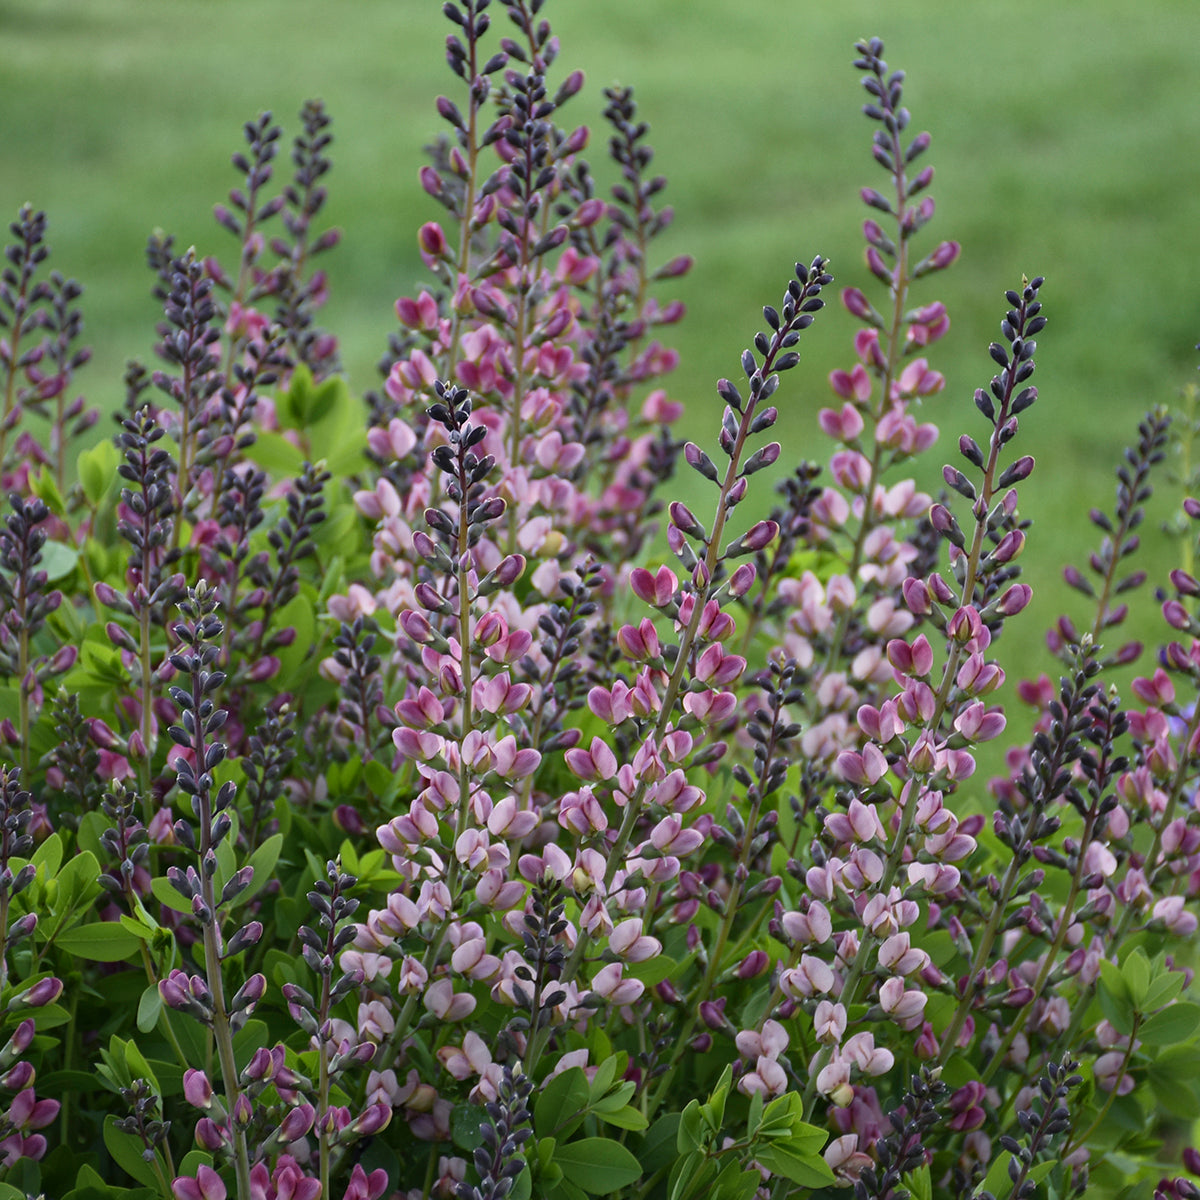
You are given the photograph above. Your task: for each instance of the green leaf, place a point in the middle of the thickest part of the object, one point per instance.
(126, 1150)
(263, 861)
(1135, 970)
(58, 560)
(600, 1166)
(560, 1100)
(691, 1176)
(624, 1118)
(77, 882)
(658, 1147)
(1172, 1092)
(919, 1183)
(735, 1182)
(653, 970)
(997, 1181)
(1164, 987)
(611, 1068)
(91, 826)
(276, 455)
(49, 853)
(809, 1170)
(164, 893)
(618, 1097)
(99, 941)
(139, 1068)
(149, 1007)
(466, 1120)
(1170, 1026)
(1112, 980)
(713, 1112)
(97, 469)
(42, 485)
(690, 1135)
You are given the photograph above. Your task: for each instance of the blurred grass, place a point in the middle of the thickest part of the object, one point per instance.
(1064, 140)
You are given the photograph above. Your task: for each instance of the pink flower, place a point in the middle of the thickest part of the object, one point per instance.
(206, 1185)
(597, 762)
(829, 1022)
(610, 984)
(657, 589)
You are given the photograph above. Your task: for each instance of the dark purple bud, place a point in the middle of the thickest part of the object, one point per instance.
(296, 1124)
(245, 937)
(753, 965)
(1176, 615)
(249, 994)
(683, 518)
(761, 458)
(942, 519)
(757, 537)
(712, 1013)
(1014, 600)
(120, 638)
(1019, 470)
(429, 597)
(695, 458)
(44, 992)
(916, 597)
(108, 595)
(1185, 584)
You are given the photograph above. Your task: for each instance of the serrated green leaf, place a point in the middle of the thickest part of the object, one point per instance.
(600, 1166)
(99, 941)
(1171, 1025)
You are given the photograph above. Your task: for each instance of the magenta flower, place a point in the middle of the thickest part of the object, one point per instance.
(206, 1185)
(658, 589)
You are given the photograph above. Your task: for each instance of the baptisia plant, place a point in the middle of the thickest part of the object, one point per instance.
(452, 793)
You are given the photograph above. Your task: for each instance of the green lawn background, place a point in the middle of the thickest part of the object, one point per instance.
(1065, 142)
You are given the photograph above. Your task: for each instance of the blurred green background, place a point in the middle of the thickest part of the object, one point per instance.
(1065, 141)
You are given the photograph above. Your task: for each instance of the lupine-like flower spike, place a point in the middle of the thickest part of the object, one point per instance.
(189, 347)
(25, 605)
(1118, 542)
(199, 639)
(499, 1160)
(22, 297)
